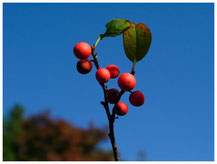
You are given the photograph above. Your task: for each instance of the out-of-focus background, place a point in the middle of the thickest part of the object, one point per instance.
(51, 112)
(41, 138)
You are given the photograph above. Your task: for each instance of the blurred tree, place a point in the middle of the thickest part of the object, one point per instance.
(40, 138)
(11, 129)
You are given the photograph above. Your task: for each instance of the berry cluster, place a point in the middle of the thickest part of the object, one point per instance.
(82, 51)
(126, 81)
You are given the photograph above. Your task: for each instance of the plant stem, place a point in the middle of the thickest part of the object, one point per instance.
(111, 117)
(99, 38)
(106, 106)
(121, 93)
(133, 67)
(112, 139)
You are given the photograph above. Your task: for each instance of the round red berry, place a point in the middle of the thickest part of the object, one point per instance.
(84, 66)
(113, 95)
(137, 98)
(82, 50)
(102, 75)
(114, 71)
(126, 81)
(121, 109)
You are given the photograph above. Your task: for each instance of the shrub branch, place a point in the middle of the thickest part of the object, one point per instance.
(111, 116)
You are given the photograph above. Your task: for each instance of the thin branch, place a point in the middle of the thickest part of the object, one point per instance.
(120, 95)
(106, 106)
(111, 117)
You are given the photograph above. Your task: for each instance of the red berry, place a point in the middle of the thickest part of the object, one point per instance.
(82, 50)
(84, 66)
(126, 81)
(137, 98)
(102, 75)
(121, 109)
(113, 95)
(114, 71)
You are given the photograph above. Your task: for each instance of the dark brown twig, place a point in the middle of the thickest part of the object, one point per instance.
(106, 106)
(111, 117)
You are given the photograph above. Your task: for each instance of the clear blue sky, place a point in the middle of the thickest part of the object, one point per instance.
(177, 75)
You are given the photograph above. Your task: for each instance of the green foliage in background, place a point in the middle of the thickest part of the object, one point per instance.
(41, 138)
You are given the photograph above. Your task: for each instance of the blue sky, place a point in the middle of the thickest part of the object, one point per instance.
(177, 75)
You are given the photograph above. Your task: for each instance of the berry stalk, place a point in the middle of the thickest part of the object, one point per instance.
(120, 95)
(106, 106)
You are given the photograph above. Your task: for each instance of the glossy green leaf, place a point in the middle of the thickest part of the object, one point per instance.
(137, 41)
(116, 27)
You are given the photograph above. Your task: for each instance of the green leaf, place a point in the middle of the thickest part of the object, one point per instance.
(137, 41)
(115, 27)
